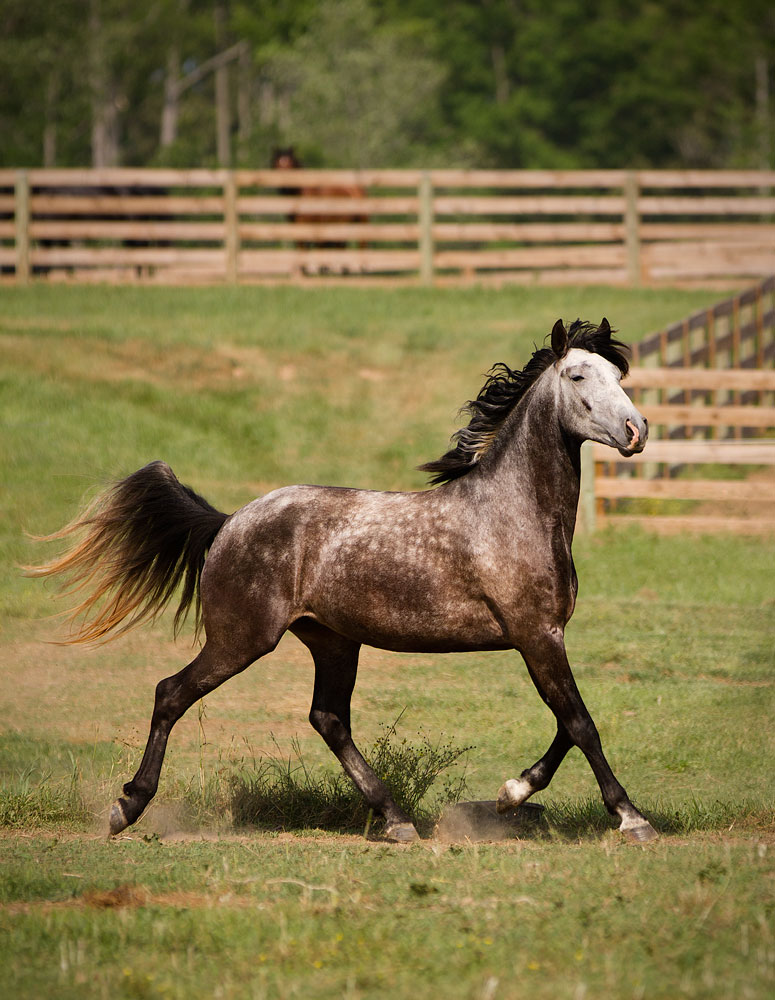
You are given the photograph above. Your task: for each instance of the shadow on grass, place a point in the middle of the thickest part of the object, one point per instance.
(578, 819)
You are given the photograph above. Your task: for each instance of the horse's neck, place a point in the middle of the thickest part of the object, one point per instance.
(534, 462)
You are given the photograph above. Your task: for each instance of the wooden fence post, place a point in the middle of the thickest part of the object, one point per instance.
(231, 238)
(632, 228)
(22, 226)
(425, 221)
(587, 514)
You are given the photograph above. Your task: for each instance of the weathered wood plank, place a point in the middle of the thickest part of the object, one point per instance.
(125, 177)
(700, 378)
(697, 452)
(619, 487)
(328, 178)
(91, 205)
(372, 232)
(322, 206)
(706, 205)
(706, 178)
(529, 205)
(354, 258)
(114, 230)
(730, 232)
(709, 416)
(549, 179)
(603, 255)
(123, 256)
(530, 232)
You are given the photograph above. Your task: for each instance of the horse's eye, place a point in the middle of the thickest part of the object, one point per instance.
(577, 378)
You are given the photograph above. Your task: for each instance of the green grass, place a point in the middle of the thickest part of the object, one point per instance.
(672, 643)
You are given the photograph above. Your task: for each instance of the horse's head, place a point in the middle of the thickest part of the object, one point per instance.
(284, 158)
(592, 404)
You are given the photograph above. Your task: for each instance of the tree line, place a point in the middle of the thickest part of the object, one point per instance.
(376, 83)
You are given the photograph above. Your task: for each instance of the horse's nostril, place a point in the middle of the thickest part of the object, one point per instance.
(633, 434)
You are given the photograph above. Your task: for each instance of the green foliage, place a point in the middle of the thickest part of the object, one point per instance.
(359, 94)
(376, 82)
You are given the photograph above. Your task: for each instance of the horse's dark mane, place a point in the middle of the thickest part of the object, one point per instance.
(504, 389)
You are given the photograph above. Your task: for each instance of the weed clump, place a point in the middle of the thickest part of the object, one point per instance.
(278, 792)
(30, 801)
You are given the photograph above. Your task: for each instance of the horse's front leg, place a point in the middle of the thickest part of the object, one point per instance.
(548, 665)
(336, 666)
(515, 791)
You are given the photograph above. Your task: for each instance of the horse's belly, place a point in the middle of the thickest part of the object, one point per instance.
(405, 617)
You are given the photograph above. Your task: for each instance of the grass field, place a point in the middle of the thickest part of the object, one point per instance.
(673, 645)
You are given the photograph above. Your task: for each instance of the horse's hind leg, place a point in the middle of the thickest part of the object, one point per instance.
(174, 696)
(336, 664)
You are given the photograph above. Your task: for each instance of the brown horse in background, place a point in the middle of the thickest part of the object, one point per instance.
(286, 159)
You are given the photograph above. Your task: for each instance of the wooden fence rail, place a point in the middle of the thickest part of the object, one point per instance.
(603, 226)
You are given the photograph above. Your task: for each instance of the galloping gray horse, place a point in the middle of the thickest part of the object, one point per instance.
(483, 561)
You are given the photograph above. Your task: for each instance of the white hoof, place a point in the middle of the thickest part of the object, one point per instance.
(401, 833)
(639, 833)
(637, 829)
(513, 793)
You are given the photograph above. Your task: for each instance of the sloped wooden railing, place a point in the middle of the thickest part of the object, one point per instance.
(707, 387)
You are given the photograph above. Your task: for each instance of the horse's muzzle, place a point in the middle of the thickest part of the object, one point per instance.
(636, 436)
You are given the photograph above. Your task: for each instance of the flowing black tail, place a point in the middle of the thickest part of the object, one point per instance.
(144, 536)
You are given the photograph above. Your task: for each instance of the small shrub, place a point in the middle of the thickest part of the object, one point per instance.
(279, 792)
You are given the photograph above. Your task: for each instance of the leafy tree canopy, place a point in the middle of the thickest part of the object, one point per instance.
(505, 83)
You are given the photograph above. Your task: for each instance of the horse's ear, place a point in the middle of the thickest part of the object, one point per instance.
(605, 328)
(559, 339)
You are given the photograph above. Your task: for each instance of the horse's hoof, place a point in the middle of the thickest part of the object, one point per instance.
(511, 794)
(401, 833)
(642, 833)
(117, 820)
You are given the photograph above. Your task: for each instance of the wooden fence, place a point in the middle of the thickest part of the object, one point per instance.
(439, 226)
(707, 388)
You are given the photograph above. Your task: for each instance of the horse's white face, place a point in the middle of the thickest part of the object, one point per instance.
(593, 405)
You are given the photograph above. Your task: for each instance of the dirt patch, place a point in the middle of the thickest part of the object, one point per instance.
(478, 822)
(125, 897)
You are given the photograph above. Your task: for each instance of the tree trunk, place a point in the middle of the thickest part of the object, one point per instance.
(222, 112)
(244, 118)
(104, 132)
(170, 111)
(763, 112)
(50, 123)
